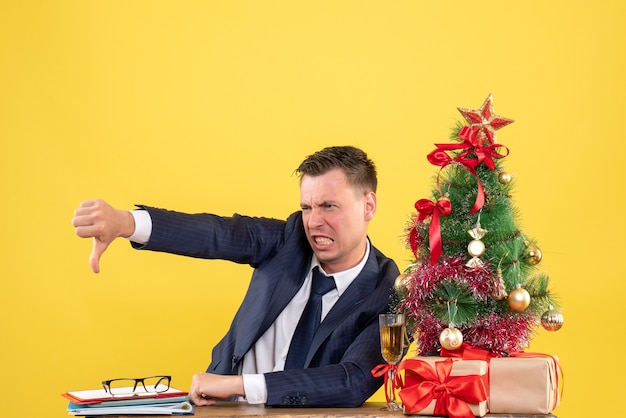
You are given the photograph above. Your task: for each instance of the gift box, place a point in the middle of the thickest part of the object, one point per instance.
(443, 386)
(524, 384)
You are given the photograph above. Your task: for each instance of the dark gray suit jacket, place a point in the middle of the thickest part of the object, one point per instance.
(346, 346)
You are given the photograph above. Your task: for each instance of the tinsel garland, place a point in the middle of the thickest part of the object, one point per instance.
(499, 332)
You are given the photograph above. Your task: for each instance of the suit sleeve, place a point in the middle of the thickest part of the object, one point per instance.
(347, 384)
(241, 239)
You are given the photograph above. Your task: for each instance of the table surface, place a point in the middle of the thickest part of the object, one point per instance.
(369, 409)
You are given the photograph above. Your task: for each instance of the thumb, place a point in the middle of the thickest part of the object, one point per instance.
(96, 252)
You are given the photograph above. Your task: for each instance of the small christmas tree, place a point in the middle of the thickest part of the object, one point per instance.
(475, 277)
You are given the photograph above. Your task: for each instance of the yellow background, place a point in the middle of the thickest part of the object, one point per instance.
(210, 106)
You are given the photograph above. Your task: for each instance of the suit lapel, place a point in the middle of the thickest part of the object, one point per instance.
(265, 308)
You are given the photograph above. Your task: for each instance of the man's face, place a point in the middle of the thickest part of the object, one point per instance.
(335, 219)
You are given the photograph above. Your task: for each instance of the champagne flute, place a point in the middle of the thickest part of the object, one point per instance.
(392, 334)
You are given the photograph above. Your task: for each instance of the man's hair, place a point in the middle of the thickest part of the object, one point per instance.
(360, 171)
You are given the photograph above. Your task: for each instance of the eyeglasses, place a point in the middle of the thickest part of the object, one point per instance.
(127, 386)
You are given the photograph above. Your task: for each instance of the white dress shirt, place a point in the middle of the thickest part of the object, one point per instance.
(270, 351)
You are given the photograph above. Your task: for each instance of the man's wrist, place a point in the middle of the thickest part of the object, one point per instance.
(255, 388)
(128, 223)
(142, 223)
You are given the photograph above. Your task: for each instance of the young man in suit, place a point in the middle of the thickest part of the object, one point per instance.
(259, 358)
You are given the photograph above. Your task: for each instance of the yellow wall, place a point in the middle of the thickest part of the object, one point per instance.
(211, 105)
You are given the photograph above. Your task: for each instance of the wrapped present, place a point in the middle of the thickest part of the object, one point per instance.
(524, 384)
(443, 386)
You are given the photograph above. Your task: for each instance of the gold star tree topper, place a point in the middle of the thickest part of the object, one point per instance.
(484, 122)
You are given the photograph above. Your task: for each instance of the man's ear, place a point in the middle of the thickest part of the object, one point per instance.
(370, 206)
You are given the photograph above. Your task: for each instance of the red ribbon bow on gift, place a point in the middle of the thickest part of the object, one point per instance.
(426, 208)
(471, 145)
(423, 384)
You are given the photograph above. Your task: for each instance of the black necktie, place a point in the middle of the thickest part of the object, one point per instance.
(309, 321)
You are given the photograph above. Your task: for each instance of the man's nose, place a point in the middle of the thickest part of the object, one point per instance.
(315, 218)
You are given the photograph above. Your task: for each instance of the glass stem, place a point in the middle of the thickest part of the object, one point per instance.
(392, 392)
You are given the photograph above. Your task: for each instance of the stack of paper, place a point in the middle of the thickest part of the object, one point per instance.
(99, 402)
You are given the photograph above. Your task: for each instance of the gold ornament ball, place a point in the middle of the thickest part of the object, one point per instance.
(451, 338)
(519, 298)
(476, 248)
(504, 177)
(533, 254)
(552, 320)
(401, 282)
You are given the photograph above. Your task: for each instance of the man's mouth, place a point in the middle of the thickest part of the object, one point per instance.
(323, 241)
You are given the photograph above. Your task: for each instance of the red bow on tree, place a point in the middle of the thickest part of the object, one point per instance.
(426, 208)
(474, 153)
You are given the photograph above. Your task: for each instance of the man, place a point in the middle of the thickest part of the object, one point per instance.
(258, 359)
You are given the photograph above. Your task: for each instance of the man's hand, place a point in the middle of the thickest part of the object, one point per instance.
(98, 220)
(207, 388)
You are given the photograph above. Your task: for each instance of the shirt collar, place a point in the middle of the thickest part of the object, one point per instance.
(343, 279)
